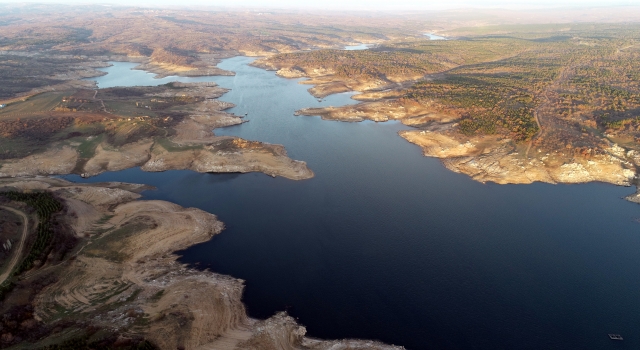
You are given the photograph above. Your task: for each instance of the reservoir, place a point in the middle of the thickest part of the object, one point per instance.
(432, 36)
(386, 244)
(123, 74)
(357, 47)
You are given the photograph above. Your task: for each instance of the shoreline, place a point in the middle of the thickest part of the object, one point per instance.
(189, 141)
(162, 290)
(279, 328)
(487, 158)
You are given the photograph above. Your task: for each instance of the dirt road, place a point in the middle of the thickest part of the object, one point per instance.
(18, 248)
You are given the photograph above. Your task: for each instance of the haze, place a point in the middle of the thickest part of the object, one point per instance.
(362, 4)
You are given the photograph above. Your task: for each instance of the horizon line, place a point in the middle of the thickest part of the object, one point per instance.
(195, 4)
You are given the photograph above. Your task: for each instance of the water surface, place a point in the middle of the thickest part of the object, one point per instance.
(357, 47)
(386, 244)
(435, 37)
(123, 74)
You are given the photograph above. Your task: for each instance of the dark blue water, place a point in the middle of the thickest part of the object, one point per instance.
(386, 244)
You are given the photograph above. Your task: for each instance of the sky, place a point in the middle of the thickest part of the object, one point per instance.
(417, 4)
(357, 4)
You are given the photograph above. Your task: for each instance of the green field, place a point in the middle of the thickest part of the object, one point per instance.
(172, 147)
(37, 104)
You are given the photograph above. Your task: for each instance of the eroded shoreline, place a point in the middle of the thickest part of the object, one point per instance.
(113, 134)
(485, 158)
(279, 327)
(127, 252)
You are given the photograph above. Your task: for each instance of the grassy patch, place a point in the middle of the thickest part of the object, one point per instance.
(40, 103)
(157, 296)
(46, 206)
(173, 147)
(128, 108)
(87, 149)
(110, 293)
(111, 245)
(96, 230)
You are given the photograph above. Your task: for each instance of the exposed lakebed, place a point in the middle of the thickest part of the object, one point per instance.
(386, 244)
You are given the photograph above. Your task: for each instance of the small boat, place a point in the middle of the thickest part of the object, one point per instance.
(319, 100)
(615, 337)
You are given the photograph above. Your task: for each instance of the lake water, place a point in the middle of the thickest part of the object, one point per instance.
(386, 244)
(435, 37)
(123, 74)
(357, 47)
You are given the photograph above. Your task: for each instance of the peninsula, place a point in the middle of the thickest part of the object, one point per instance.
(521, 107)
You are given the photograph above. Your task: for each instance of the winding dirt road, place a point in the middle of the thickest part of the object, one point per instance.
(546, 100)
(18, 248)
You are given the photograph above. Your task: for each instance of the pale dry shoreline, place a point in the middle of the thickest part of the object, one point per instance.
(244, 157)
(485, 158)
(192, 145)
(206, 65)
(212, 302)
(141, 268)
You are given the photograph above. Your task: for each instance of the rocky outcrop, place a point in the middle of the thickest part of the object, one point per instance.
(492, 159)
(241, 157)
(488, 158)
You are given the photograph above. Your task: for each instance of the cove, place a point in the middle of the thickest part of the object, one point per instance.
(386, 244)
(124, 74)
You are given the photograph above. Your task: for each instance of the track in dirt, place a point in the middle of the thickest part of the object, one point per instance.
(16, 255)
